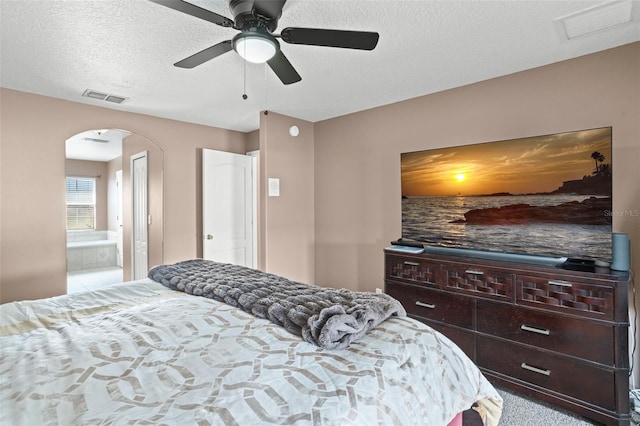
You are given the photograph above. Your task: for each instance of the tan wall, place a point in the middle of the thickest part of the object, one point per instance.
(287, 240)
(100, 171)
(357, 157)
(253, 141)
(33, 247)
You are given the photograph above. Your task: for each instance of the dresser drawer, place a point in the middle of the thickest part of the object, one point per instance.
(479, 281)
(567, 295)
(551, 371)
(433, 304)
(418, 271)
(571, 336)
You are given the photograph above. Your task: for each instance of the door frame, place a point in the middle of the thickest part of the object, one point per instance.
(120, 218)
(252, 190)
(255, 170)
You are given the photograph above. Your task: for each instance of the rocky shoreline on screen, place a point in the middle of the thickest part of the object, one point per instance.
(591, 211)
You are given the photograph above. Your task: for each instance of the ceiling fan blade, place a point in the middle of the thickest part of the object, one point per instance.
(205, 55)
(283, 68)
(198, 12)
(362, 40)
(269, 8)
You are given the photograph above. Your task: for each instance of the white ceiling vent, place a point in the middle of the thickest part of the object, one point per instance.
(104, 96)
(596, 19)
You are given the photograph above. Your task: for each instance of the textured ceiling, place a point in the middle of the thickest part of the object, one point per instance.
(127, 48)
(96, 145)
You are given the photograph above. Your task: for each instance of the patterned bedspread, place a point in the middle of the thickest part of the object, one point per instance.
(141, 353)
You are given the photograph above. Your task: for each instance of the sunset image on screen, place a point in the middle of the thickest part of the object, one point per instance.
(526, 166)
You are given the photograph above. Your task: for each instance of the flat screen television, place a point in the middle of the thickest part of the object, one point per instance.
(547, 196)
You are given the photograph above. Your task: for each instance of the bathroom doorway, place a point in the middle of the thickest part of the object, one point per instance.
(93, 160)
(100, 198)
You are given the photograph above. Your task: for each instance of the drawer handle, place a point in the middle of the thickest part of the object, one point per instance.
(560, 283)
(471, 271)
(534, 329)
(425, 305)
(411, 263)
(535, 370)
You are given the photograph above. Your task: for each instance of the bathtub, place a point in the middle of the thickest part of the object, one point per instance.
(91, 249)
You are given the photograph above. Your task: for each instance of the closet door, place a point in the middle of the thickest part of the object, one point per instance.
(139, 252)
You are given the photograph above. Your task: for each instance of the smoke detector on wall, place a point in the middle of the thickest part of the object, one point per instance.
(596, 19)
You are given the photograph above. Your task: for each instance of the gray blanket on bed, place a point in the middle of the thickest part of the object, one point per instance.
(326, 317)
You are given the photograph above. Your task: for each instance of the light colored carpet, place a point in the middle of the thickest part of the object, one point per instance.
(519, 411)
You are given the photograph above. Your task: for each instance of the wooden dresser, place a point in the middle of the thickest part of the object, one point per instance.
(549, 333)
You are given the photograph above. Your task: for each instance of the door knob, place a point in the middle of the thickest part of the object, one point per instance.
(209, 237)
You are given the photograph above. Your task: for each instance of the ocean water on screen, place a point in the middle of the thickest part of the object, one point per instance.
(429, 218)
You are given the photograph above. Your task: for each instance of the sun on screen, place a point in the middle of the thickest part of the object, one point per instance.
(460, 177)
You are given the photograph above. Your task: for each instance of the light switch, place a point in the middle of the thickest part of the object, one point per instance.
(274, 187)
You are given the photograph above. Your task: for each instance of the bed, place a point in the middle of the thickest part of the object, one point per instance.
(143, 353)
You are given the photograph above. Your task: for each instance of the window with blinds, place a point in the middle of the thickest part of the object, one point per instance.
(81, 203)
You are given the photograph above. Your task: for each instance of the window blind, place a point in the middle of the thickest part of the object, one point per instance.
(81, 203)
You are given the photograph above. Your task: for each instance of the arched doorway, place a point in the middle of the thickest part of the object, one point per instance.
(100, 226)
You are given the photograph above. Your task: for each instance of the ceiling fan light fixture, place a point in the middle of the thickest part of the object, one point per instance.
(255, 46)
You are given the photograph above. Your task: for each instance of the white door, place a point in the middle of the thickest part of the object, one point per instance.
(119, 221)
(139, 261)
(227, 202)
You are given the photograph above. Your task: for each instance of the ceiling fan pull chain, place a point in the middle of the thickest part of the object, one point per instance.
(266, 87)
(244, 78)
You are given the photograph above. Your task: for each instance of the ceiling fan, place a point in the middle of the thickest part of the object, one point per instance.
(257, 20)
